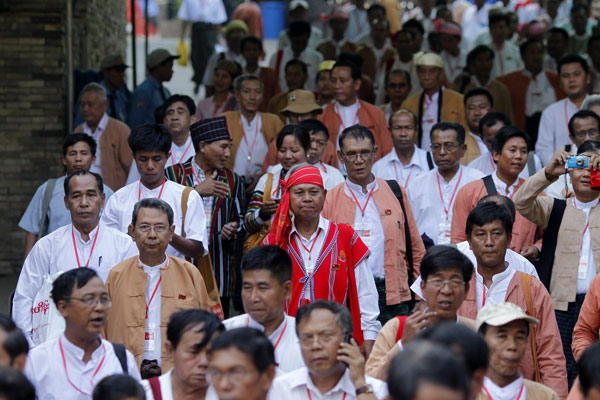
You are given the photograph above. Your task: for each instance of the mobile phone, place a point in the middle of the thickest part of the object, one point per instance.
(347, 338)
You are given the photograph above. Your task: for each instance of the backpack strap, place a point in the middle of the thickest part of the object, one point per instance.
(526, 283)
(400, 332)
(155, 387)
(121, 354)
(430, 161)
(45, 205)
(490, 186)
(409, 254)
(546, 262)
(531, 163)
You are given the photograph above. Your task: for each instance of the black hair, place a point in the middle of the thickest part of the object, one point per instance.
(446, 126)
(526, 44)
(487, 213)
(578, 7)
(580, 115)
(482, 48)
(468, 345)
(494, 18)
(403, 32)
(185, 320)
(571, 59)
(14, 385)
(356, 132)
(150, 137)
(82, 172)
(314, 125)
(249, 341)
(589, 146)
(187, 100)
(397, 71)
(561, 32)
(491, 118)
(504, 134)
(375, 7)
(157, 204)
(270, 258)
(159, 114)
(63, 286)
(484, 327)
(118, 387)
(343, 318)
(479, 91)
(502, 201)
(296, 131)
(299, 63)
(15, 342)
(251, 39)
(425, 362)
(298, 28)
(354, 68)
(592, 39)
(75, 138)
(414, 23)
(440, 258)
(588, 369)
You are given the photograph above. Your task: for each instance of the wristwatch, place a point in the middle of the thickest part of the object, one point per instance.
(364, 389)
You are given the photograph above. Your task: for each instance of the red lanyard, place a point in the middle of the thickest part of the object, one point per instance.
(182, 156)
(140, 189)
(484, 295)
(91, 251)
(447, 210)
(311, 247)
(407, 178)
(310, 397)
(324, 167)
(280, 335)
(251, 150)
(588, 222)
(64, 360)
(362, 209)
(337, 110)
(155, 289)
(490, 396)
(492, 162)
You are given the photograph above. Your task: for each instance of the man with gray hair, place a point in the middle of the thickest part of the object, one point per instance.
(113, 155)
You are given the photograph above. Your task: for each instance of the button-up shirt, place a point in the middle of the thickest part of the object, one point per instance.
(554, 128)
(389, 167)
(56, 252)
(502, 187)
(144, 100)
(209, 11)
(496, 293)
(75, 379)
(153, 341)
(97, 134)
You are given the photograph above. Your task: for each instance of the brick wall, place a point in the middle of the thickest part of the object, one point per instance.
(33, 96)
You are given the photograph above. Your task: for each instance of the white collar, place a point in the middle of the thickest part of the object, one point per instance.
(303, 378)
(101, 125)
(252, 323)
(508, 392)
(454, 178)
(497, 278)
(351, 106)
(358, 189)
(163, 264)
(91, 235)
(323, 225)
(500, 184)
(185, 144)
(585, 206)
(78, 352)
(413, 159)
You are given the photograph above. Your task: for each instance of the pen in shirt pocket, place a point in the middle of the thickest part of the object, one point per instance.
(99, 261)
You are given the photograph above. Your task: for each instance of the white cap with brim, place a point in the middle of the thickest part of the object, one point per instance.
(428, 59)
(501, 314)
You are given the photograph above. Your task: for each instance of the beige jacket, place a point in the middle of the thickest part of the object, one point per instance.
(563, 282)
(534, 390)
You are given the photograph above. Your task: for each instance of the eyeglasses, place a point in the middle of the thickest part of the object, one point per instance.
(365, 155)
(592, 134)
(322, 338)
(449, 147)
(92, 301)
(157, 228)
(439, 283)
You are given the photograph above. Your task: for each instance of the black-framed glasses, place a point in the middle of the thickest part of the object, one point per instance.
(365, 155)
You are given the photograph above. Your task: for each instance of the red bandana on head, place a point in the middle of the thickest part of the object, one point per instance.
(282, 222)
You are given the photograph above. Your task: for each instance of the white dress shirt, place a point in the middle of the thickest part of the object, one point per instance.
(96, 135)
(166, 388)
(179, 155)
(55, 252)
(330, 174)
(368, 299)
(288, 356)
(485, 163)
(482, 147)
(430, 202)
(389, 167)
(209, 11)
(513, 391)
(118, 210)
(496, 293)
(540, 93)
(586, 270)
(298, 385)
(368, 225)
(310, 57)
(502, 188)
(507, 59)
(554, 128)
(55, 379)
(153, 339)
(474, 21)
(252, 145)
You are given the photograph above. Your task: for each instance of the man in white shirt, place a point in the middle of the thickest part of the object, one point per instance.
(406, 161)
(151, 146)
(475, 20)
(553, 132)
(508, 57)
(298, 11)
(85, 242)
(335, 367)
(432, 194)
(358, 22)
(319, 141)
(179, 114)
(299, 33)
(68, 367)
(266, 288)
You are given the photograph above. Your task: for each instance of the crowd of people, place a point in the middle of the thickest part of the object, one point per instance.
(403, 206)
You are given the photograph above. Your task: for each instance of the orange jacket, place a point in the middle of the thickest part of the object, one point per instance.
(587, 329)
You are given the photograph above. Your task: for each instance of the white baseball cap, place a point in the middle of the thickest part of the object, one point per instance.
(501, 314)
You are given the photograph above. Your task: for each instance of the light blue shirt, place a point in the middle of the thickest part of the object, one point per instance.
(144, 100)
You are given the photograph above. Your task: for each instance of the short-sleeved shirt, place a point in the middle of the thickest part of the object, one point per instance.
(209, 11)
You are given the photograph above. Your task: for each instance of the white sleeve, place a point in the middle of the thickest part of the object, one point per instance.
(132, 368)
(134, 174)
(184, 12)
(218, 13)
(195, 220)
(368, 301)
(545, 146)
(537, 162)
(111, 213)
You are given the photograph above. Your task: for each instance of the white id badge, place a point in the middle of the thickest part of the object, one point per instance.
(583, 267)
(364, 231)
(444, 229)
(149, 340)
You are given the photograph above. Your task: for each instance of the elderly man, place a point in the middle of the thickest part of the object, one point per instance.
(151, 93)
(82, 243)
(434, 103)
(113, 155)
(148, 288)
(313, 241)
(333, 365)
(380, 223)
(71, 365)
